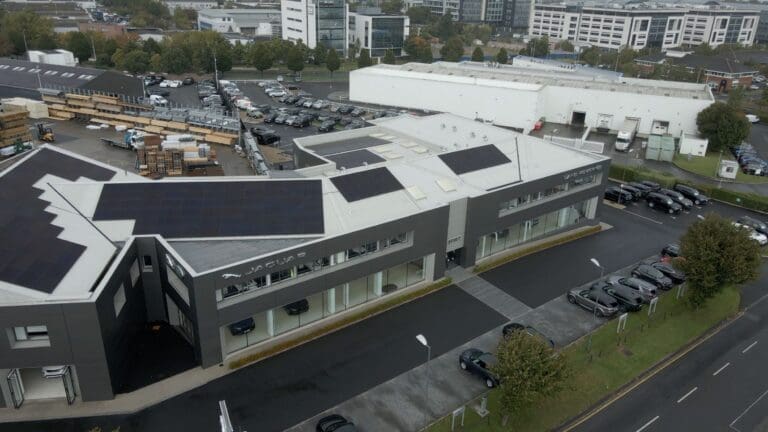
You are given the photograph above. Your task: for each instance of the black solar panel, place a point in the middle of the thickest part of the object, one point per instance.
(348, 145)
(32, 255)
(473, 159)
(216, 209)
(366, 184)
(355, 158)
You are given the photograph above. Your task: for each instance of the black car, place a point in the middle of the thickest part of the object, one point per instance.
(242, 327)
(479, 363)
(617, 195)
(678, 198)
(326, 126)
(354, 125)
(636, 193)
(517, 327)
(357, 112)
(302, 121)
(188, 81)
(159, 92)
(653, 186)
(753, 223)
(663, 202)
(671, 250)
(692, 194)
(335, 423)
(629, 299)
(650, 274)
(346, 109)
(267, 138)
(645, 190)
(669, 271)
(297, 308)
(345, 121)
(270, 118)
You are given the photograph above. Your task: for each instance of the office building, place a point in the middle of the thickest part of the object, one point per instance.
(252, 22)
(378, 32)
(316, 21)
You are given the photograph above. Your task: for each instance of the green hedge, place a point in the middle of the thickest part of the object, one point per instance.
(748, 200)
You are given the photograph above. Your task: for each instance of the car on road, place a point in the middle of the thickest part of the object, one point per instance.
(296, 308)
(646, 290)
(242, 327)
(692, 194)
(629, 299)
(761, 239)
(647, 273)
(479, 363)
(663, 202)
(327, 126)
(753, 223)
(669, 271)
(530, 331)
(653, 186)
(678, 198)
(671, 250)
(335, 423)
(597, 302)
(753, 118)
(617, 195)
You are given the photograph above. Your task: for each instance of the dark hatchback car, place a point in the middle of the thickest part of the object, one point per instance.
(517, 327)
(636, 193)
(297, 308)
(650, 274)
(663, 202)
(242, 327)
(753, 223)
(270, 118)
(335, 423)
(188, 81)
(692, 194)
(629, 299)
(326, 126)
(678, 198)
(671, 250)
(615, 194)
(653, 186)
(669, 271)
(479, 363)
(597, 302)
(646, 290)
(641, 187)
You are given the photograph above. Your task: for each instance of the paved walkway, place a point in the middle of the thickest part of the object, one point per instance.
(493, 297)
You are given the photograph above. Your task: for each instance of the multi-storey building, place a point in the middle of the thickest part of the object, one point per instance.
(378, 32)
(316, 21)
(442, 7)
(643, 27)
(252, 22)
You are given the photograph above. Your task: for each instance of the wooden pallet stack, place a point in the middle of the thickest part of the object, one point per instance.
(14, 126)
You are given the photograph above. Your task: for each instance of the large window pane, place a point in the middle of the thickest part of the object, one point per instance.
(333, 300)
(515, 234)
(415, 271)
(358, 291)
(537, 227)
(395, 278)
(246, 332)
(315, 311)
(284, 321)
(498, 241)
(551, 221)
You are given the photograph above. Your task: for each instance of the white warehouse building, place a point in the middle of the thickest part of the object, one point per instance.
(519, 97)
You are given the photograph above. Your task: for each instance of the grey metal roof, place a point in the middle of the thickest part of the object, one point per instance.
(206, 255)
(714, 63)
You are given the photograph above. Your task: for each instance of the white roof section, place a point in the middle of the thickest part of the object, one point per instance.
(532, 79)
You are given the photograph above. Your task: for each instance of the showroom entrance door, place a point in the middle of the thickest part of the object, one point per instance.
(69, 385)
(17, 391)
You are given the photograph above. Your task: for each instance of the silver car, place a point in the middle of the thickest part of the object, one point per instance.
(596, 301)
(646, 290)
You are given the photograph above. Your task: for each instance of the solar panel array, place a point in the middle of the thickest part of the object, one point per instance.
(216, 208)
(355, 158)
(474, 159)
(32, 254)
(366, 184)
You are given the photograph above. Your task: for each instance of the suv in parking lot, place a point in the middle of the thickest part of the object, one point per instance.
(629, 299)
(650, 274)
(663, 202)
(617, 195)
(530, 331)
(753, 223)
(678, 198)
(479, 363)
(598, 302)
(692, 194)
(644, 289)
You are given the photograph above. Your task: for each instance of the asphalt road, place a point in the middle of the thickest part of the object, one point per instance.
(286, 389)
(719, 386)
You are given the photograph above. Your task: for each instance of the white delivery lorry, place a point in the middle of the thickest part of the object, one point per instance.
(626, 134)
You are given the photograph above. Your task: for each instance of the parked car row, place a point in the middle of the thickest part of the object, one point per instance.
(749, 160)
(673, 201)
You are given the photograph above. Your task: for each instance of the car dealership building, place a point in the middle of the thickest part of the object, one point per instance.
(91, 254)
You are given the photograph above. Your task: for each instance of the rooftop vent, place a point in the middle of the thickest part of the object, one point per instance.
(454, 128)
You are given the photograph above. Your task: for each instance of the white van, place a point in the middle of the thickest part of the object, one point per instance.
(158, 100)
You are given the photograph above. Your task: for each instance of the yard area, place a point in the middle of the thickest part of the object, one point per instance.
(707, 166)
(606, 361)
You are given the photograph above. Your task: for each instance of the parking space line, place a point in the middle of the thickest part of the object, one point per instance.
(687, 394)
(746, 410)
(749, 347)
(644, 217)
(647, 424)
(721, 368)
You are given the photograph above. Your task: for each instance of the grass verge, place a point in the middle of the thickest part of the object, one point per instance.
(604, 362)
(707, 166)
(350, 319)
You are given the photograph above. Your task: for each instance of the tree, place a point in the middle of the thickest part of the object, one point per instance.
(502, 56)
(453, 49)
(419, 14)
(156, 62)
(319, 54)
(185, 19)
(444, 28)
(151, 47)
(566, 45)
(389, 57)
(716, 254)
(80, 46)
(261, 57)
(332, 61)
(591, 56)
(26, 29)
(528, 370)
(736, 98)
(175, 59)
(478, 55)
(365, 59)
(136, 62)
(425, 54)
(704, 49)
(239, 53)
(536, 47)
(722, 125)
(294, 60)
(392, 6)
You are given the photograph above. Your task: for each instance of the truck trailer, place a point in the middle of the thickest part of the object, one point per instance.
(626, 134)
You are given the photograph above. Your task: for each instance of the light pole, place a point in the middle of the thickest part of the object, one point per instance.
(597, 264)
(700, 217)
(423, 340)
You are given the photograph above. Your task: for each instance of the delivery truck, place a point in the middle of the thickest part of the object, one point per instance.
(626, 134)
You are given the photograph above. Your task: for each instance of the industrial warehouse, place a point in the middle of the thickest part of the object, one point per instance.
(234, 264)
(520, 96)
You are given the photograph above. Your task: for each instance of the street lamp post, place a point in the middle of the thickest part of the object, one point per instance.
(597, 264)
(423, 340)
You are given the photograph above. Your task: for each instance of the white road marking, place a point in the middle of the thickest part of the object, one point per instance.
(648, 424)
(746, 410)
(721, 368)
(687, 394)
(644, 217)
(749, 347)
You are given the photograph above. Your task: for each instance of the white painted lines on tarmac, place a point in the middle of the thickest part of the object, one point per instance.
(749, 347)
(647, 424)
(644, 217)
(687, 394)
(721, 368)
(747, 410)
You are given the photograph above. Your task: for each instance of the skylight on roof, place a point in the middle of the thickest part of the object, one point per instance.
(446, 185)
(416, 193)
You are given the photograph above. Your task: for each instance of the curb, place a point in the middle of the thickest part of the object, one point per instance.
(649, 373)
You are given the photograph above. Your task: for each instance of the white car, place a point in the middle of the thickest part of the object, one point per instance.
(276, 93)
(175, 84)
(243, 103)
(753, 118)
(761, 239)
(164, 84)
(754, 87)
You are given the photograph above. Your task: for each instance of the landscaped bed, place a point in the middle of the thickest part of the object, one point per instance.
(707, 166)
